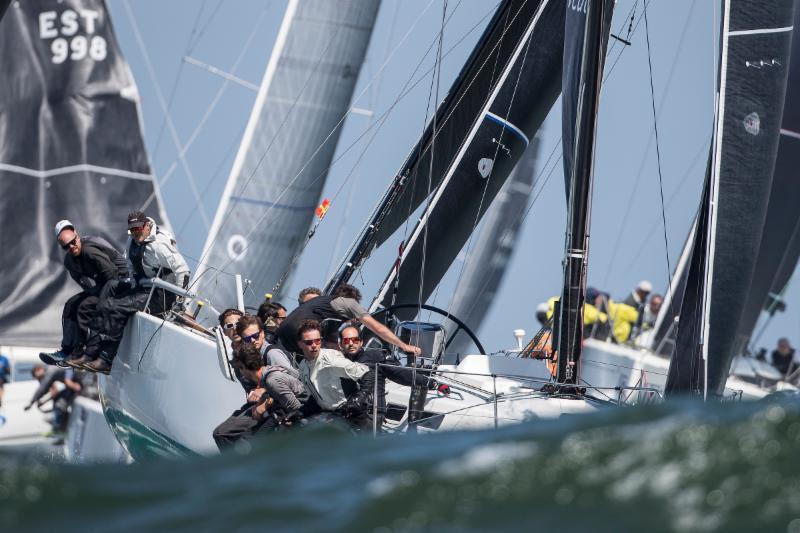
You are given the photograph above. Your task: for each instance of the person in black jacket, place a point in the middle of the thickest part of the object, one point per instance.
(342, 306)
(92, 262)
(352, 347)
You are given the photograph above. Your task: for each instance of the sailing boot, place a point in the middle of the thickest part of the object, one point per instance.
(54, 358)
(99, 365)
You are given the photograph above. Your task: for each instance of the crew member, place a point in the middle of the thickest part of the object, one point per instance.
(5, 375)
(326, 373)
(151, 253)
(249, 332)
(352, 347)
(92, 262)
(342, 306)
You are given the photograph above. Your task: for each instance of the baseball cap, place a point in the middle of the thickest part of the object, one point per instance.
(61, 225)
(645, 286)
(137, 219)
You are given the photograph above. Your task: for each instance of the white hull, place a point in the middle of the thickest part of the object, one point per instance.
(604, 364)
(89, 439)
(167, 391)
(20, 426)
(480, 401)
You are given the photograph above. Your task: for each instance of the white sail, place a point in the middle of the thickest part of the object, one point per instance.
(279, 172)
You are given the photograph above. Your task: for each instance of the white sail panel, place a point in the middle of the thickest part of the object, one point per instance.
(278, 175)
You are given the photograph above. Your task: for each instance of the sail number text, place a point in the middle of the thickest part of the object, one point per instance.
(62, 28)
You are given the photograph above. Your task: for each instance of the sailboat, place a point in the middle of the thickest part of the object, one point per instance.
(729, 262)
(72, 148)
(263, 216)
(154, 406)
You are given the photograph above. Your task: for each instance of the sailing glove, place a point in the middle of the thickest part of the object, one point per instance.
(441, 388)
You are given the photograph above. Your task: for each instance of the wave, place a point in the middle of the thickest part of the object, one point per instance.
(679, 466)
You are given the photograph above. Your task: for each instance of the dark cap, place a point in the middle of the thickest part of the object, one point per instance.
(137, 219)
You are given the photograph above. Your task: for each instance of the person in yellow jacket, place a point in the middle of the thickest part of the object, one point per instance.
(600, 312)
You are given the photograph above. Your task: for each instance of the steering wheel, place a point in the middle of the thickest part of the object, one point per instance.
(438, 311)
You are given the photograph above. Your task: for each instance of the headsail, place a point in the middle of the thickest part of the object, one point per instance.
(488, 260)
(277, 176)
(71, 147)
(752, 83)
(780, 240)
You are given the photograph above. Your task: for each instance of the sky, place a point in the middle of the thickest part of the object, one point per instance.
(193, 121)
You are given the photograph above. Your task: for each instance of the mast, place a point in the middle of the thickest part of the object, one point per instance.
(570, 320)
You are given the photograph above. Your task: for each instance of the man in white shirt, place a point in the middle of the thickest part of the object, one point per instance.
(326, 373)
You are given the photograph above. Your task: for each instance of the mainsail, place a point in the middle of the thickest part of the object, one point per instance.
(71, 147)
(482, 127)
(494, 248)
(780, 239)
(279, 172)
(752, 82)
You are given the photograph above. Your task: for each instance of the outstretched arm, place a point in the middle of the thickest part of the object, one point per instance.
(386, 335)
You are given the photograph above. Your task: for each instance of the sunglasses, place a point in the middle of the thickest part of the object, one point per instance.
(70, 244)
(351, 340)
(312, 342)
(251, 338)
(230, 325)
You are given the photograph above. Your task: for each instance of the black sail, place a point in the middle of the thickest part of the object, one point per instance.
(494, 248)
(483, 125)
(575, 23)
(756, 40)
(71, 147)
(521, 92)
(779, 249)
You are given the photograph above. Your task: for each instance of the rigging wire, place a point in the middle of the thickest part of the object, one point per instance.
(209, 110)
(160, 96)
(704, 148)
(486, 185)
(643, 162)
(313, 155)
(437, 79)
(175, 83)
(658, 151)
(410, 86)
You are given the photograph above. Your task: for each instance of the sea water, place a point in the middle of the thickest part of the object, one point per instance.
(679, 466)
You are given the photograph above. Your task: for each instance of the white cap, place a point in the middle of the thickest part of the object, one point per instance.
(542, 307)
(61, 225)
(645, 286)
